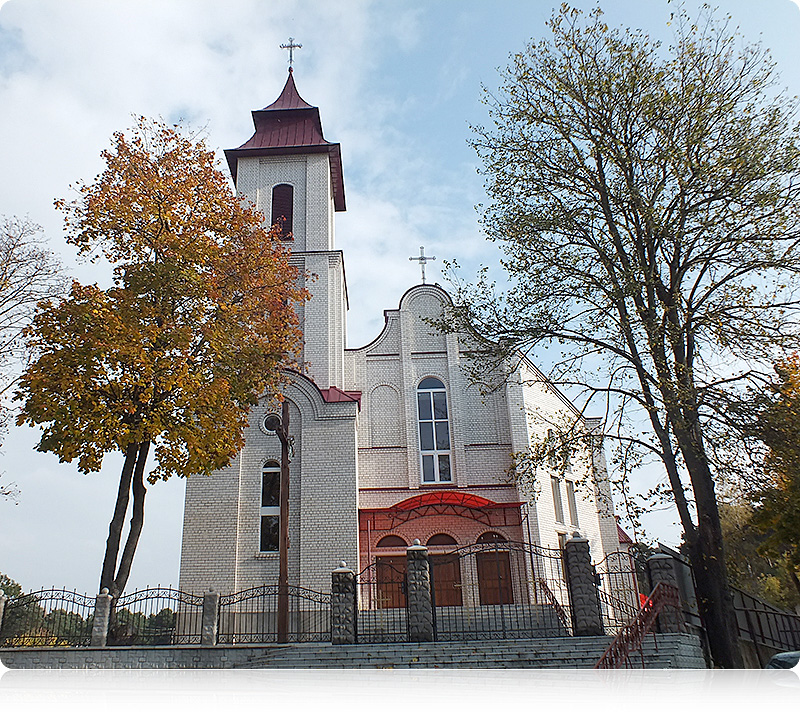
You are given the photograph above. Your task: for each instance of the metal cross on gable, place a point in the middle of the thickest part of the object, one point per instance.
(422, 259)
(291, 47)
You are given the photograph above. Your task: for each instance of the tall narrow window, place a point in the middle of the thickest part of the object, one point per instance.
(572, 503)
(434, 431)
(557, 505)
(270, 506)
(283, 209)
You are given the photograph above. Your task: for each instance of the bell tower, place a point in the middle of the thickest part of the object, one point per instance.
(294, 177)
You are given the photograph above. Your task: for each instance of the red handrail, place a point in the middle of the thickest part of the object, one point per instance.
(630, 638)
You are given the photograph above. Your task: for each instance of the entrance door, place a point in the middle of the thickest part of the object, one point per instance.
(446, 580)
(390, 573)
(494, 578)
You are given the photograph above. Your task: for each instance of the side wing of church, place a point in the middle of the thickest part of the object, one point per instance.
(391, 442)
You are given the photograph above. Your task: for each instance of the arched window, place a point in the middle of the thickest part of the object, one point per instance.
(434, 431)
(270, 506)
(490, 537)
(441, 539)
(283, 209)
(391, 541)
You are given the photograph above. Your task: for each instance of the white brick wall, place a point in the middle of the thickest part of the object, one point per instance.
(345, 458)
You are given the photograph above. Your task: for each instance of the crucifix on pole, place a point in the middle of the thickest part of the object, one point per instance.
(422, 259)
(291, 47)
(280, 425)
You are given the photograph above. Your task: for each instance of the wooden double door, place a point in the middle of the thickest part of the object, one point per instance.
(495, 585)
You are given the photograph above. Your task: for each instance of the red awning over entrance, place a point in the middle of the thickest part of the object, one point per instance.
(455, 498)
(443, 503)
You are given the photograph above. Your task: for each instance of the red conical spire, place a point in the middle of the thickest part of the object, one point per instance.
(290, 125)
(289, 99)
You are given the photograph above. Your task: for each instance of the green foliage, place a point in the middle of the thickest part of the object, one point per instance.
(646, 199)
(753, 566)
(776, 503)
(129, 628)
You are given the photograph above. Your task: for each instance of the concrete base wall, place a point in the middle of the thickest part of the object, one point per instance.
(674, 651)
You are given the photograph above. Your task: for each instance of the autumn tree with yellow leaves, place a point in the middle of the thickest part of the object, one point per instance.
(194, 330)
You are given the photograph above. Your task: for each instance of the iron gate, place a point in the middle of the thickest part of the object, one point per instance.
(251, 616)
(499, 590)
(382, 602)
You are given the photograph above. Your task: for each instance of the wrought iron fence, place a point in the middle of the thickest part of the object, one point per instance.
(620, 576)
(251, 616)
(764, 624)
(156, 616)
(382, 604)
(499, 590)
(48, 618)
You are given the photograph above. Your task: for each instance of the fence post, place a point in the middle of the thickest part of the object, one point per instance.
(420, 607)
(208, 635)
(100, 621)
(3, 601)
(343, 606)
(661, 570)
(587, 618)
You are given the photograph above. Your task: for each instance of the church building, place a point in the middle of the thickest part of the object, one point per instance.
(391, 441)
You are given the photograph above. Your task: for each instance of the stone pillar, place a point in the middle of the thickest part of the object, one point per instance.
(420, 607)
(661, 570)
(3, 601)
(102, 615)
(208, 635)
(343, 606)
(587, 618)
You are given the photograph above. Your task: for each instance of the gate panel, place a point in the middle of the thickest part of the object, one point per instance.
(251, 616)
(505, 590)
(382, 607)
(446, 576)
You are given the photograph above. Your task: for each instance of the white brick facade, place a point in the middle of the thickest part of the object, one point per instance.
(350, 455)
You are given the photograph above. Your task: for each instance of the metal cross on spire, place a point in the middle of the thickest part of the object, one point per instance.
(422, 259)
(291, 47)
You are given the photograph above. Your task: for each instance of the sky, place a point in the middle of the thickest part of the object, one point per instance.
(398, 85)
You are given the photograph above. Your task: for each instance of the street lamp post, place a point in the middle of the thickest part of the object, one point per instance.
(280, 425)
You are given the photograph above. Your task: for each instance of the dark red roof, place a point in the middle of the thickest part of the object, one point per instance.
(623, 537)
(290, 125)
(334, 394)
(290, 98)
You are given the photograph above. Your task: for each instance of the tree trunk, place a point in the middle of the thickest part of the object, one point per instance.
(137, 521)
(714, 597)
(115, 528)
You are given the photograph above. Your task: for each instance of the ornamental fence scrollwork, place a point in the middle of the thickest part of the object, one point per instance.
(156, 616)
(500, 590)
(622, 582)
(251, 616)
(382, 601)
(48, 618)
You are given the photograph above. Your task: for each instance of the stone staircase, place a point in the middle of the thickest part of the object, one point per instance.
(559, 652)
(671, 651)
(466, 623)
